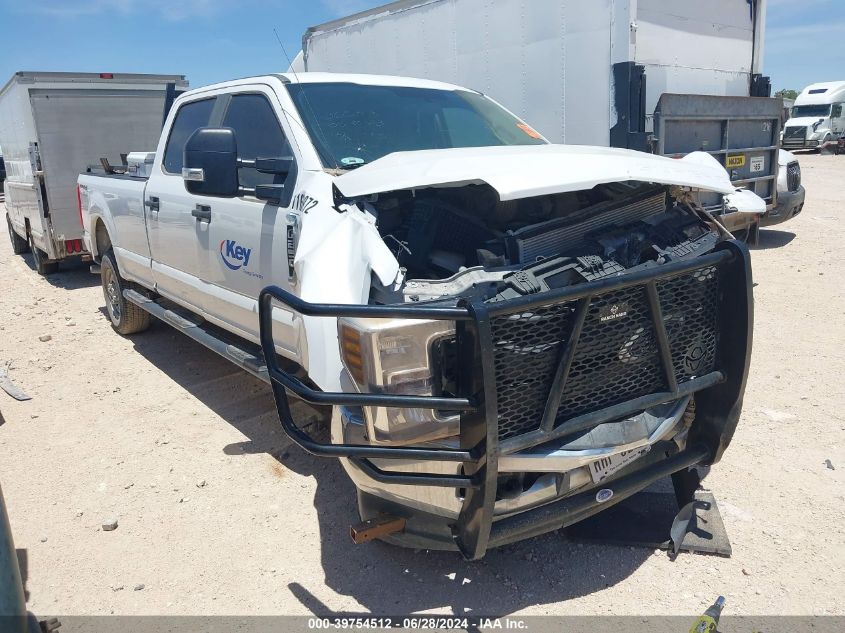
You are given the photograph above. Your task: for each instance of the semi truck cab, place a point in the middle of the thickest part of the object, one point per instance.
(817, 118)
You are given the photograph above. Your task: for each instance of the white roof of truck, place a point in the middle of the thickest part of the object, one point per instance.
(320, 77)
(822, 93)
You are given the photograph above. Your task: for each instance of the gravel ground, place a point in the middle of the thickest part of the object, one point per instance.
(218, 514)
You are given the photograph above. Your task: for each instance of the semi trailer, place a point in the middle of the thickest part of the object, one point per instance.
(663, 76)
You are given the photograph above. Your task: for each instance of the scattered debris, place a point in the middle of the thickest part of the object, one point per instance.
(44, 338)
(109, 525)
(139, 586)
(829, 464)
(116, 587)
(202, 483)
(776, 416)
(8, 386)
(43, 539)
(745, 572)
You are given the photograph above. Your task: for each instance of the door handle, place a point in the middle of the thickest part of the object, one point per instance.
(202, 212)
(152, 203)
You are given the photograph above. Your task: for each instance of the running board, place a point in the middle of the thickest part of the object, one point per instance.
(245, 359)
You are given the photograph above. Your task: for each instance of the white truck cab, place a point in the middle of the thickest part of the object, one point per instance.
(510, 335)
(817, 116)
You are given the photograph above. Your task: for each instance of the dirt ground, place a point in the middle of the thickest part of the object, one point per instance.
(218, 514)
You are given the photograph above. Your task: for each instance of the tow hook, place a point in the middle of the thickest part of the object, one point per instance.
(376, 528)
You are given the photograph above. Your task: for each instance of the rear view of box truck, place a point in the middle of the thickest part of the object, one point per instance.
(52, 127)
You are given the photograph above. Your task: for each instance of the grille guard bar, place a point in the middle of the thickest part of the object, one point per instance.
(479, 433)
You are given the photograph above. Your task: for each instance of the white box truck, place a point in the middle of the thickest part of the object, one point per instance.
(666, 76)
(53, 125)
(816, 118)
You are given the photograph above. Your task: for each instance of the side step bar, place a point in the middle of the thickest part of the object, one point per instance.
(251, 362)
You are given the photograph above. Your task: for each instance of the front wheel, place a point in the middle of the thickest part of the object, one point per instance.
(125, 316)
(41, 260)
(19, 244)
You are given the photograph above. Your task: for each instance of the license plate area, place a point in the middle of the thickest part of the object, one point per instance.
(603, 468)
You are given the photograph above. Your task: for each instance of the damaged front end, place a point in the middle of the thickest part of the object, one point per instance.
(538, 358)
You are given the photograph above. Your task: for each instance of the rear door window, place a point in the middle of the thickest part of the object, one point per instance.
(190, 117)
(259, 135)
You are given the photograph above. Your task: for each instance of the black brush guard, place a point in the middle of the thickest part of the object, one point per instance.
(718, 399)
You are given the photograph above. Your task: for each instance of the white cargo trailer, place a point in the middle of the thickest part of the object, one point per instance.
(586, 72)
(54, 125)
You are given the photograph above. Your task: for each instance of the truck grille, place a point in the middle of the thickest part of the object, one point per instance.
(793, 176)
(795, 135)
(617, 357)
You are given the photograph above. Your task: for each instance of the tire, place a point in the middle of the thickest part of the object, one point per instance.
(125, 316)
(43, 266)
(19, 244)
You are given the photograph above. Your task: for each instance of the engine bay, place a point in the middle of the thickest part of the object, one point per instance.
(464, 241)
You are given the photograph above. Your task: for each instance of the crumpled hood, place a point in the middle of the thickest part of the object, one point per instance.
(531, 170)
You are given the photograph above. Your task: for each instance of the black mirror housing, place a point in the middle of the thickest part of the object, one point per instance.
(270, 193)
(211, 162)
(279, 166)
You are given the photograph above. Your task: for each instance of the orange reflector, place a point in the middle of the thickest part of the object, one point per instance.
(350, 350)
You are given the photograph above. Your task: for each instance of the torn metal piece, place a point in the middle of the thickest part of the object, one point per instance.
(681, 525)
(9, 387)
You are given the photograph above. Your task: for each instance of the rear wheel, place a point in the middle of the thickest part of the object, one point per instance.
(19, 244)
(125, 316)
(42, 262)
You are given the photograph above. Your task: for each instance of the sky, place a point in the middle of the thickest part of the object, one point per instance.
(215, 40)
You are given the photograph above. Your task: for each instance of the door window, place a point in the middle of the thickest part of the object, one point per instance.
(837, 111)
(189, 118)
(258, 134)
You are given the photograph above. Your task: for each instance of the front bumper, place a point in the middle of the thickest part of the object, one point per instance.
(470, 471)
(799, 144)
(790, 204)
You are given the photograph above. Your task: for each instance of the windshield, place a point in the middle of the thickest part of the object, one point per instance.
(811, 110)
(353, 124)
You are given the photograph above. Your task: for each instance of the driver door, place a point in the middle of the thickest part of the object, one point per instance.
(246, 241)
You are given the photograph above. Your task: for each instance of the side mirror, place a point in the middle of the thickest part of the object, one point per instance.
(279, 166)
(210, 166)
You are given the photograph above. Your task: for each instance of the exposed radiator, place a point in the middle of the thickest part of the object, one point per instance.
(556, 237)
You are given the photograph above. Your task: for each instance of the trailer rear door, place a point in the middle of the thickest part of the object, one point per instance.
(76, 127)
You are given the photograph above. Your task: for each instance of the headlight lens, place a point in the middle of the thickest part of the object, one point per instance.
(394, 356)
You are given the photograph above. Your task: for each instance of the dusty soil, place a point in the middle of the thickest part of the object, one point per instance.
(219, 514)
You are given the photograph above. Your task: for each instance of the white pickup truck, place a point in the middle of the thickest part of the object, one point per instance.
(512, 335)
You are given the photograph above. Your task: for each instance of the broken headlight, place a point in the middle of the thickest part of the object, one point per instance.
(395, 357)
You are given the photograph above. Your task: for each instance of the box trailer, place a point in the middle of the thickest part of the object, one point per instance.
(52, 126)
(586, 72)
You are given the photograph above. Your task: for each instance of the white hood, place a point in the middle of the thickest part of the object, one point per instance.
(804, 121)
(531, 170)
